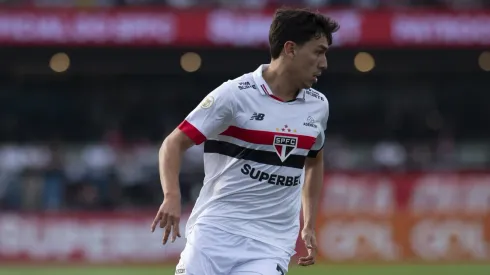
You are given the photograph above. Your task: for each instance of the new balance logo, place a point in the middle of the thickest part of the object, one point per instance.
(257, 116)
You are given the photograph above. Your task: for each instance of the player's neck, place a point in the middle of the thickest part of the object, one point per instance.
(280, 82)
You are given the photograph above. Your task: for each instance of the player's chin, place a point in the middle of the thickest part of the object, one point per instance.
(308, 84)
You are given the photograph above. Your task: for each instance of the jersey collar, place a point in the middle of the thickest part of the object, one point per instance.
(264, 88)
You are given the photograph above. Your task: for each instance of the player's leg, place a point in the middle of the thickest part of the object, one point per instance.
(208, 251)
(262, 259)
(194, 262)
(259, 267)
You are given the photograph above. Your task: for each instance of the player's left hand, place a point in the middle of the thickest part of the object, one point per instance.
(308, 236)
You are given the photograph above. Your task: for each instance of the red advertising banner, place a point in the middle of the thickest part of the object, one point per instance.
(414, 217)
(405, 217)
(219, 28)
(84, 238)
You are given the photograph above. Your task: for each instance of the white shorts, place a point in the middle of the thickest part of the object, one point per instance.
(212, 251)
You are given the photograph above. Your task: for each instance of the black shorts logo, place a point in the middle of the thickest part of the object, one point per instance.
(279, 269)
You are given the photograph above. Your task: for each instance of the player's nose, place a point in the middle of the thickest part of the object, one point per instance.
(322, 65)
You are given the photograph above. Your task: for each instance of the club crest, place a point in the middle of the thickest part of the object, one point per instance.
(284, 146)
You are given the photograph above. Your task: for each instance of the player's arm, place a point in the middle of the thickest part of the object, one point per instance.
(169, 159)
(312, 189)
(311, 194)
(310, 201)
(208, 119)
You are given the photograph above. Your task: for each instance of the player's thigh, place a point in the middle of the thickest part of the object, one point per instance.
(209, 251)
(194, 262)
(260, 267)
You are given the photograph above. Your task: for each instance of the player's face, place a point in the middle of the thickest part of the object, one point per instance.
(310, 61)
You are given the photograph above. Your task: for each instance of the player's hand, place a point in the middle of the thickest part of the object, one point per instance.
(169, 218)
(309, 238)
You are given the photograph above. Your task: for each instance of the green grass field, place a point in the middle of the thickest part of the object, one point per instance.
(316, 270)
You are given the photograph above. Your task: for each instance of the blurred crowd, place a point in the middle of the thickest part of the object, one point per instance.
(76, 143)
(96, 146)
(457, 4)
(114, 174)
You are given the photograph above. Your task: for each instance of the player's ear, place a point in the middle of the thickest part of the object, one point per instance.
(290, 48)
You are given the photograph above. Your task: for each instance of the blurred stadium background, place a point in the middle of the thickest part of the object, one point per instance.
(90, 88)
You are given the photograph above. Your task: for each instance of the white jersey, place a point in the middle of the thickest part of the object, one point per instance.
(254, 154)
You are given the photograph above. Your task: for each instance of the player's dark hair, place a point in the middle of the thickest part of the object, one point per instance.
(299, 26)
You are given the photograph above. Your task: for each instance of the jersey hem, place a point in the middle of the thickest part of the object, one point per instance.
(291, 252)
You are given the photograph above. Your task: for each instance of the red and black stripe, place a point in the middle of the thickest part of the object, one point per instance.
(254, 137)
(260, 156)
(192, 132)
(267, 137)
(314, 153)
(270, 94)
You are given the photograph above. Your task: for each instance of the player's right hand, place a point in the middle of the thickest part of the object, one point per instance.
(168, 216)
(308, 236)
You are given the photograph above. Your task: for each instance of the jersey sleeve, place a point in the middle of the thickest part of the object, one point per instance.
(320, 140)
(211, 117)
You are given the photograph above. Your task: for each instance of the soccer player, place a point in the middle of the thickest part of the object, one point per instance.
(263, 159)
